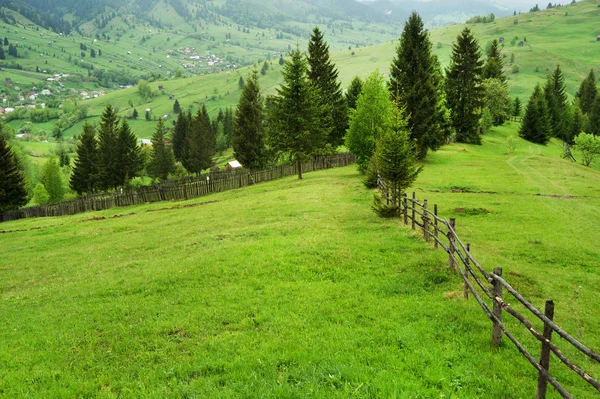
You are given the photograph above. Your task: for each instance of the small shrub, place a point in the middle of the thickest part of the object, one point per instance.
(511, 143)
(515, 68)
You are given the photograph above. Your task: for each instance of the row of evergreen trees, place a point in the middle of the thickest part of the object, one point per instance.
(549, 114)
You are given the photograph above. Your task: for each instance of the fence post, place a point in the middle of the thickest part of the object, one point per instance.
(435, 226)
(405, 211)
(497, 292)
(545, 356)
(467, 272)
(425, 221)
(414, 199)
(451, 243)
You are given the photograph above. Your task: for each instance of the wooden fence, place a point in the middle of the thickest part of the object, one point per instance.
(177, 189)
(443, 234)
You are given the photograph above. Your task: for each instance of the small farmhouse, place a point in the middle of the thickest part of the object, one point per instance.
(233, 165)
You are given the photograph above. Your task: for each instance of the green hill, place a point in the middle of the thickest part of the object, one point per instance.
(296, 289)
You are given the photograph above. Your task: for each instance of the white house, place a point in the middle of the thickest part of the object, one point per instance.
(233, 165)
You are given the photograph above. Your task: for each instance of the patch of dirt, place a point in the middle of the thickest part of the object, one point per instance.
(558, 196)
(474, 211)
(33, 228)
(182, 206)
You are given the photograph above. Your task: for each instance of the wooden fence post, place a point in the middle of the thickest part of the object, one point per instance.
(425, 221)
(545, 356)
(451, 243)
(467, 272)
(414, 199)
(435, 226)
(405, 211)
(497, 292)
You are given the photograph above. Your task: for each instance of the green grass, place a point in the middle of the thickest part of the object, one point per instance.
(296, 289)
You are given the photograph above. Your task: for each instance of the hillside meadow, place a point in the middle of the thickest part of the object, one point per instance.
(297, 289)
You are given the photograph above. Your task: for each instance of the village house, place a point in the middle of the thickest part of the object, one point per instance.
(46, 92)
(233, 165)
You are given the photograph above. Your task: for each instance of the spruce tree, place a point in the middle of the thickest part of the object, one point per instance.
(176, 107)
(414, 86)
(134, 114)
(516, 108)
(13, 193)
(228, 125)
(556, 100)
(587, 93)
(464, 93)
(85, 172)
(129, 159)
(324, 75)
(108, 130)
(353, 92)
(241, 83)
(2, 55)
(494, 64)
(248, 130)
(162, 161)
(536, 126)
(594, 119)
(180, 134)
(297, 124)
(199, 151)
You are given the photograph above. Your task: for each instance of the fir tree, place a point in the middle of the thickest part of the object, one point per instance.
(353, 92)
(107, 150)
(13, 193)
(228, 125)
(129, 159)
(535, 126)
(2, 55)
(594, 119)
(241, 83)
(556, 100)
(176, 107)
(414, 86)
(180, 134)
(248, 131)
(587, 93)
(494, 64)
(577, 123)
(464, 93)
(12, 50)
(199, 151)
(323, 75)
(516, 112)
(134, 114)
(297, 124)
(162, 161)
(85, 172)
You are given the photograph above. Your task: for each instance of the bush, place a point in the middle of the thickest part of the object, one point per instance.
(511, 143)
(515, 68)
(588, 146)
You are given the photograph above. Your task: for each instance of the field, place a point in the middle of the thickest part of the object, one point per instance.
(296, 289)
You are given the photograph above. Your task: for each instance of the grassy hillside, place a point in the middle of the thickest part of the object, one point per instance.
(296, 289)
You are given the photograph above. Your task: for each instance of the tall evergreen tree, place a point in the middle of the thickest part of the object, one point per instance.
(248, 130)
(199, 149)
(108, 173)
(587, 93)
(162, 161)
(228, 125)
(85, 172)
(297, 125)
(353, 92)
(2, 55)
(176, 107)
(536, 126)
(129, 159)
(556, 100)
(13, 193)
(494, 64)
(180, 134)
(414, 86)
(134, 114)
(464, 93)
(516, 108)
(324, 75)
(593, 126)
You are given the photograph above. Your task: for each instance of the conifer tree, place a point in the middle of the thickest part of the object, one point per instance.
(577, 123)
(176, 107)
(2, 55)
(464, 93)
(297, 125)
(556, 100)
(199, 148)
(516, 108)
(85, 172)
(494, 64)
(248, 130)
(594, 119)
(587, 93)
(228, 125)
(13, 193)
(241, 83)
(323, 75)
(536, 126)
(162, 161)
(353, 92)
(108, 131)
(129, 159)
(180, 134)
(414, 86)
(134, 114)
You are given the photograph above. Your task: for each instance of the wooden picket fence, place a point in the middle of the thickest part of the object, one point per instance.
(476, 279)
(178, 189)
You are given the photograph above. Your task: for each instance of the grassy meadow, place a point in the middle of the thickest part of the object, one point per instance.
(295, 289)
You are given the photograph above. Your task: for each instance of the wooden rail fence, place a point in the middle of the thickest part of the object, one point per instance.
(476, 278)
(177, 189)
